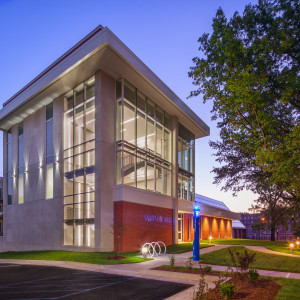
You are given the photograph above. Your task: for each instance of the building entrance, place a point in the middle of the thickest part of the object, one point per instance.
(180, 227)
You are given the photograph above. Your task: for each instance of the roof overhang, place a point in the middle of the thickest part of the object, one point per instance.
(218, 212)
(100, 50)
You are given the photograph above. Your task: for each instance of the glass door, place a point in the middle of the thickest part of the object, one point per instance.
(180, 227)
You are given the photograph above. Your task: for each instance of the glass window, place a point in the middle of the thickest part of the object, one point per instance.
(79, 167)
(150, 135)
(150, 108)
(129, 92)
(141, 130)
(143, 144)
(9, 167)
(141, 173)
(159, 140)
(129, 123)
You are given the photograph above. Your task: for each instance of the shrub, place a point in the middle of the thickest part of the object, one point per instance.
(172, 261)
(207, 269)
(189, 264)
(227, 290)
(242, 261)
(204, 268)
(202, 288)
(253, 275)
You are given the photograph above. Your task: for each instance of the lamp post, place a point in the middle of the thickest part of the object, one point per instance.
(297, 244)
(291, 247)
(210, 239)
(196, 226)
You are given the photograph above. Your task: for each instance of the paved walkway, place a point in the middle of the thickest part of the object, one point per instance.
(143, 269)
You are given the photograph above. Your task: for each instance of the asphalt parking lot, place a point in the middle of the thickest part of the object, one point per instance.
(40, 282)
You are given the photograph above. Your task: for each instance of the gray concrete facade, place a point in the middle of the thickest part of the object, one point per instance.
(37, 224)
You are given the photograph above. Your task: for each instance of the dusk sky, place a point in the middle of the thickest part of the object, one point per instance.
(163, 34)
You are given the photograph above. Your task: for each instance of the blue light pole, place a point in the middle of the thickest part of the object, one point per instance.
(196, 226)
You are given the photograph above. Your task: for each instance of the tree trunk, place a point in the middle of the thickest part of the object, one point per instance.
(273, 233)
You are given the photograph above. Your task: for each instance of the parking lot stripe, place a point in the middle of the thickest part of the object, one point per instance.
(51, 291)
(1, 286)
(92, 289)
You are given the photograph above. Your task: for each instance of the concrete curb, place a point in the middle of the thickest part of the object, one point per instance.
(180, 275)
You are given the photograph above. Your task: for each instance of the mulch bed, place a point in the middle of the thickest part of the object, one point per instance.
(262, 289)
(116, 257)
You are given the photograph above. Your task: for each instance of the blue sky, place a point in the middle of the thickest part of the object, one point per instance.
(163, 34)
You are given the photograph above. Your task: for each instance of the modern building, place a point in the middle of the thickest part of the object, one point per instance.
(282, 232)
(99, 154)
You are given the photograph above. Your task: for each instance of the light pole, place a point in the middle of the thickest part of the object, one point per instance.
(196, 226)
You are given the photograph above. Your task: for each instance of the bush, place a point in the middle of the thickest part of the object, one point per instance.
(253, 275)
(172, 261)
(227, 290)
(207, 269)
(242, 261)
(189, 264)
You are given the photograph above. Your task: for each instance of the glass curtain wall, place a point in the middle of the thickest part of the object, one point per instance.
(143, 141)
(21, 170)
(186, 148)
(79, 165)
(9, 168)
(49, 151)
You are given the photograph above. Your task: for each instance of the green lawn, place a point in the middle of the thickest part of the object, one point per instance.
(279, 246)
(290, 288)
(84, 257)
(184, 247)
(263, 261)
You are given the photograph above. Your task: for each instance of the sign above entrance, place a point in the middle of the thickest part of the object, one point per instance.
(157, 218)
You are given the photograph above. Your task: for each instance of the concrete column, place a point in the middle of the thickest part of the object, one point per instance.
(58, 166)
(105, 95)
(218, 220)
(175, 178)
(210, 226)
(225, 224)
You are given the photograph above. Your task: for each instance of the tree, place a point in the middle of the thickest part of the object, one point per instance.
(250, 71)
(276, 209)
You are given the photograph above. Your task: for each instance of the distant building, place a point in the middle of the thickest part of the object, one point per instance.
(282, 232)
(216, 218)
(239, 230)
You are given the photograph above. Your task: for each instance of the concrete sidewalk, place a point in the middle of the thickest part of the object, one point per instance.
(143, 269)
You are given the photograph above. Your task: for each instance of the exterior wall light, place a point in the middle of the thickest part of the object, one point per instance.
(291, 247)
(210, 239)
(144, 252)
(297, 244)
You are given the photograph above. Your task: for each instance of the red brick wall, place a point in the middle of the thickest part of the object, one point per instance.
(214, 228)
(138, 229)
(205, 227)
(228, 229)
(185, 227)
(222, 229)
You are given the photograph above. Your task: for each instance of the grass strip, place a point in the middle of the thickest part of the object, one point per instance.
(263, 261)
(184, 247)
(99, 258)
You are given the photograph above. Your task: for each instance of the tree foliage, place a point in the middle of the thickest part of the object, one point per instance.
(250, 71)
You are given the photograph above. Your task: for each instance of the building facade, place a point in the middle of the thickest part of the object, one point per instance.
(283, 233)
(99, 154)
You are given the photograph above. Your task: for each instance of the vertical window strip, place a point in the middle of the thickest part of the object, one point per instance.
(79, 166)
(49, 151)
(9, 173)
(21, 177)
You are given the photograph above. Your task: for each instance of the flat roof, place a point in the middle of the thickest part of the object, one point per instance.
(92, 53)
